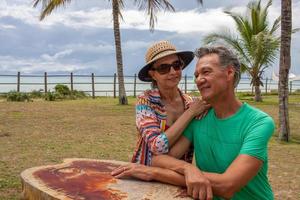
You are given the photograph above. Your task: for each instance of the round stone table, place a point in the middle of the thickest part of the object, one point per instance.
(88, 179)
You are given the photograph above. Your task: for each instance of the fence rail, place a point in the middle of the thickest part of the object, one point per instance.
(108, 84)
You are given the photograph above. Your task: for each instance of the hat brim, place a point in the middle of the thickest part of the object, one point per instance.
(186, 56)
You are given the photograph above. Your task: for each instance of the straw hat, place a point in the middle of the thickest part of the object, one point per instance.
(159, 50)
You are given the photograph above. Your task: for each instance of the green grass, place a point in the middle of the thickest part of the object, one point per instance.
(40, 132)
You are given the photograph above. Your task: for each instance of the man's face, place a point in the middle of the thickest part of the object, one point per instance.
(211, 78)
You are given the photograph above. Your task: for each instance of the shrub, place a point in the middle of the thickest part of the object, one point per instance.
(78, 94)
(63, 90)
(17, 96)
(36, 94)
(50, 96)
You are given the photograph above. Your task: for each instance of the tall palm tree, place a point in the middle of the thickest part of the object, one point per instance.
(153, 6)
(256, 43)
(285, 63)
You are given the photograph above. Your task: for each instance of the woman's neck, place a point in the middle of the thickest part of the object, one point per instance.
(169, 95)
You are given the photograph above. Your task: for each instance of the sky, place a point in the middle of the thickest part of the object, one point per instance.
(79, 37)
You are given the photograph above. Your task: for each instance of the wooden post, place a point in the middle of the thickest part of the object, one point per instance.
(93, 86)
(266, 85)
(134, 86)
(71, 81)
(291, 85)
(115, 84)
(18, 81)
(185, 84)
(45, 82)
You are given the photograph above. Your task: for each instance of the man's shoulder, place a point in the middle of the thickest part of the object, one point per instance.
(254, 114)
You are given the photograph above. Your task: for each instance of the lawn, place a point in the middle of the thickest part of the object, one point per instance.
(41, 132)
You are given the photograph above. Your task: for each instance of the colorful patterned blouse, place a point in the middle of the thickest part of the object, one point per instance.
(151, 118)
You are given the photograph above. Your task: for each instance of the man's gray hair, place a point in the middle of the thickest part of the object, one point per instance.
(226, 58)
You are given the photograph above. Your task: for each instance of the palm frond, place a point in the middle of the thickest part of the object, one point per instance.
(228, 39)
(49, 5)
(276, 25)
(153, 7)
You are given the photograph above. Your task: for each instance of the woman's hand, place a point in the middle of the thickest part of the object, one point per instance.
(134, 170)
(198, 107)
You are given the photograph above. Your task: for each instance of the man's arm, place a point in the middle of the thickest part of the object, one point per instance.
(225, 185)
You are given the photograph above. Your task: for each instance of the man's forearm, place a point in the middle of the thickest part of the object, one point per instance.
(218, 181)
(221, 187)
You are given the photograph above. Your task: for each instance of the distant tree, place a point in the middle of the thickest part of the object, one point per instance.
(256, 42)
(152, 6)
(284, 68)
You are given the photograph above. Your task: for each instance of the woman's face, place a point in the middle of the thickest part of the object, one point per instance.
(167, 71)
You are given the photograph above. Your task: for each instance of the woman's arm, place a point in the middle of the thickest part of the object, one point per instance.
(149, 127)
(148, 173)
(175, 131)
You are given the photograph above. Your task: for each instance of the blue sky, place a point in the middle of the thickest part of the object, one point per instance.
(79, 38)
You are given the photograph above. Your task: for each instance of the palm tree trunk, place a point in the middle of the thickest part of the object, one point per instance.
(122, 93)
(285, 63)
(257, 97)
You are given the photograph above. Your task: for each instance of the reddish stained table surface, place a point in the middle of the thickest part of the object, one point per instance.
(86, 180)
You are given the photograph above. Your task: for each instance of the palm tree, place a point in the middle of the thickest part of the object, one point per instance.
(285, 63)
(153, 6)
(256, 43)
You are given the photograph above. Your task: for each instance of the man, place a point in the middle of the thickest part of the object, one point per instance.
(230, 141)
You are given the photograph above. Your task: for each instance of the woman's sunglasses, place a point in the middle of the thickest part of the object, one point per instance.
(165, 68)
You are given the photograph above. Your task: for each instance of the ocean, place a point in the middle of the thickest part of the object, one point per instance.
(104, 85)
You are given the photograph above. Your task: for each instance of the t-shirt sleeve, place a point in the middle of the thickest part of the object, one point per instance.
(256, 140)
(188, 132)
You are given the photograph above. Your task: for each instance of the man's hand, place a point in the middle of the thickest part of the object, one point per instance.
(198, 186)
(134, 170)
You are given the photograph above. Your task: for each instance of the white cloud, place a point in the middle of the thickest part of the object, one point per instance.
(7, 26)
(181, 22)
(29, 65)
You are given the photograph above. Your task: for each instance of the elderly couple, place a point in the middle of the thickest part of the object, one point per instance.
(229, 138)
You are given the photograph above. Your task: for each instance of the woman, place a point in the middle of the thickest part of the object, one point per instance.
(163, 112)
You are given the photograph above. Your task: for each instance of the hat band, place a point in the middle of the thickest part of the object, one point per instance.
(161, 52)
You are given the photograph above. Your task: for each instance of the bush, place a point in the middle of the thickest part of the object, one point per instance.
(17, 96)
(36, 94)
(50, 96)
(62, 90)
(78, 94)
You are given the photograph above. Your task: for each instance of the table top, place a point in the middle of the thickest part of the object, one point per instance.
(89, 179)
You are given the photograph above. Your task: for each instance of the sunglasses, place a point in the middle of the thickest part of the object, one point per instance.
(165, 68)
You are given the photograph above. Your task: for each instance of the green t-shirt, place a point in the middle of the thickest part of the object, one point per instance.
(218, 142)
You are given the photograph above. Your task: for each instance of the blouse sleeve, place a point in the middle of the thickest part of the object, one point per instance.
(148, 126)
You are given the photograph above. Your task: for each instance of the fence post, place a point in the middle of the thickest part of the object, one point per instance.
(18, 82)
(45, 82)
(115, 80)
(185, 84)
(71, 81)
(291, 85)
(266, 85)
(134, 86)
(93, 86)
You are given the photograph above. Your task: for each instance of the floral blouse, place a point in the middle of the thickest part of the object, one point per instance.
(151, 118)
